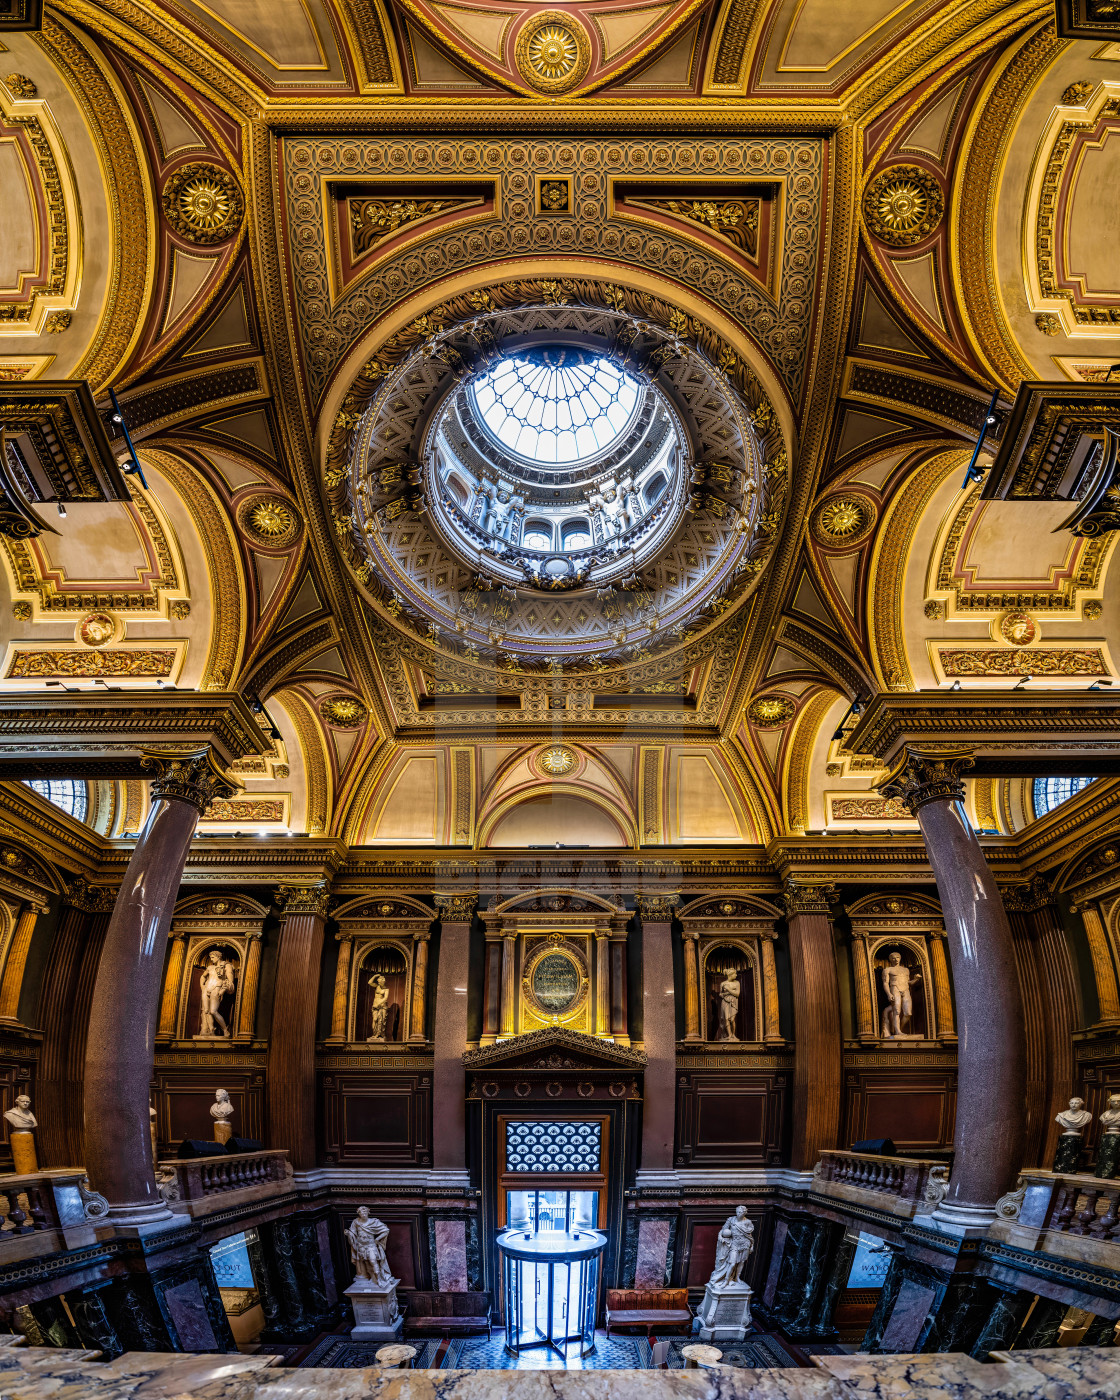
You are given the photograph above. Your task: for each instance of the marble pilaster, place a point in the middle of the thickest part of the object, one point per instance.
(448, 1076)
(817, 1064)
(659, 1030)
(1009, 1306)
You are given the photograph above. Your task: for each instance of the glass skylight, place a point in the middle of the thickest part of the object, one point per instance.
(556, 406)
(1050, 792)
(70, 794)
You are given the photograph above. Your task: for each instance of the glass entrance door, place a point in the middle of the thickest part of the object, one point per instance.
(544, 1210)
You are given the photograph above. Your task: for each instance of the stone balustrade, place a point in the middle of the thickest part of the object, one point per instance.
(41, 1212)
(199, 1185)
(902, 1186)
(1067, 1215)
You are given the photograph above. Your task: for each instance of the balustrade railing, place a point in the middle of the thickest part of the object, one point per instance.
(189, 1184)
(903, 1186)
(1072, 1216)
(40, 1211)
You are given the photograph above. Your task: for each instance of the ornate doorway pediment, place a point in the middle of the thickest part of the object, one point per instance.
(555, 1050)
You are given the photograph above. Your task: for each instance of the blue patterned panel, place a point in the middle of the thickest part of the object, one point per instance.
(566, 1147)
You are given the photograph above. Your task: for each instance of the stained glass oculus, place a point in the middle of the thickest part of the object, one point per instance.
(1050, 792)
(557, 405)
(571, 1146)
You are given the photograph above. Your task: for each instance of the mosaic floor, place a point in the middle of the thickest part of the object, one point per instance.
(760, 1351)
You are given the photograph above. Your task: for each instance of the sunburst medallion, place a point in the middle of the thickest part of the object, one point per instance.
(553, 52)
(203, 203)
(903, 205)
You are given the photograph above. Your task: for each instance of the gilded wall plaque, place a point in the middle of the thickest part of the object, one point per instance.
(556, 982)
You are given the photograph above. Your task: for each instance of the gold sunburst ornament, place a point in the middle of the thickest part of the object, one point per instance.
(269, 520)
(556, 760)
(203, 203)
(553, 52)
(843, 520)
(903, 205)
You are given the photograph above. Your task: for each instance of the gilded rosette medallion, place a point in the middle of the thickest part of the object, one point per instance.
(843, 520)
(553, 52)
(903, 205)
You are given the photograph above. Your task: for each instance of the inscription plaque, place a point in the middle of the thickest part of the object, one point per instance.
(556, 982)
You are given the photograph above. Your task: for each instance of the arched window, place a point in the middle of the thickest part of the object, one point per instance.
(1051, 792)
(576, 534)
(654, 489)
(457, 489)
(537, 535)
(71, 794)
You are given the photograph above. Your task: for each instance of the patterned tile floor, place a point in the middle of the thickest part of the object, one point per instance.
(761, 1350)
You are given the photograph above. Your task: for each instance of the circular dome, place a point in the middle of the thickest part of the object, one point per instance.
(560, 404)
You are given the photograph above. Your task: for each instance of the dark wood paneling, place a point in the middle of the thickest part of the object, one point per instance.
(817, 1044)
(377, 1120)
(914, 1107)
(182, 1099)
(731, 1119)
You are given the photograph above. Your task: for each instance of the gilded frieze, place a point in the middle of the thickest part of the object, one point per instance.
(781, 325)
(960, 662)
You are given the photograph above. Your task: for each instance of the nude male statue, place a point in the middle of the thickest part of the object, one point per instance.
(897, 981)
(217, 979)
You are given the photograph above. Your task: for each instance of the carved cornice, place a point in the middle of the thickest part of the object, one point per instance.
(456, 908)
(654, 907)
(303, 899)
(559, 1039)
(922, 776)
(808, 899)
(90, 899)
(197, 778)
(1027, 898)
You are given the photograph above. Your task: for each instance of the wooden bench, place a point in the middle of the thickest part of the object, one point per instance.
(447, 1313)
(651, 1308)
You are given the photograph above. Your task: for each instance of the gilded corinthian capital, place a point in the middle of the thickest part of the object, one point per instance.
(925, 775)
(195, 777)
(807, 899)
(656, 906)
(304, 899)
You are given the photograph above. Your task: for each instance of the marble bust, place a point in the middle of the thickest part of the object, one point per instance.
(221, 1108)
(20, 1116)
(728, 1006)
(367, 1236)
(1075, 1118)
(1110, 1118)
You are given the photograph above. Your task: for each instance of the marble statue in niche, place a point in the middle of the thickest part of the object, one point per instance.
(379, 1007)
(729, 990)
(898, 984)
(367, 1236)
(1108, 1153)
(1073, 1121)
(217, 980)
(725, 1313)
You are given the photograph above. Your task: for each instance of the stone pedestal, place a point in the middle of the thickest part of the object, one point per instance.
(725, 1313)
(22, 1143)
(1108, 1156)
(376, 1315)
(222, 1131)
(1068, 1155)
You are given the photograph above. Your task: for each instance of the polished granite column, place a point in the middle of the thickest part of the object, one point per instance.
(991, 1054)
(120, 1044)
(816, 1023)
(449, 1079)
(295, 1011)
(659, 1031)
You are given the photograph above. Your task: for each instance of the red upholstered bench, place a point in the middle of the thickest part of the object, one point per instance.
(447, 1313)
(651, 1308)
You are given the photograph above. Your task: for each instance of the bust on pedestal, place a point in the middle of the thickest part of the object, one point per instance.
(1074, 1121)
(725, 1313)
(1108, 1154)
(21, 1138)
(373, 1293)
(221, 1110)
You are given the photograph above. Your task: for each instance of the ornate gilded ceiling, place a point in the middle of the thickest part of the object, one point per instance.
(287, 232)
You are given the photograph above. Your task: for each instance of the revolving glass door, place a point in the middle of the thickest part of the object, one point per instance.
(550, 1278)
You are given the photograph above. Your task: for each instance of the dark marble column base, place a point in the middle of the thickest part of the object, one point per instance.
(1002, 1324)
(1068, 1155)
(1108, 1156)
(1041, 1329)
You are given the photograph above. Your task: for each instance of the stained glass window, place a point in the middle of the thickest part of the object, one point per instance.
(557, 405)
(1050, 792)
(70, 794)
(571, 1146)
